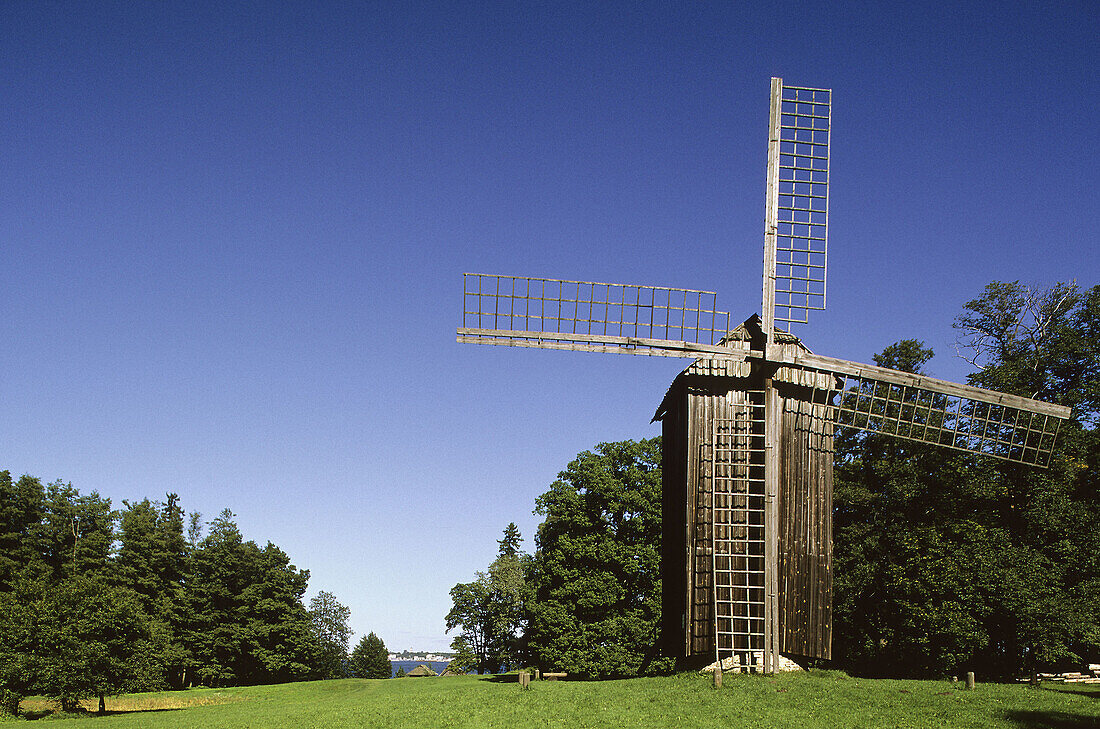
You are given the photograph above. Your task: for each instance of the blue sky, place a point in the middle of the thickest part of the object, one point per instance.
(232, 237)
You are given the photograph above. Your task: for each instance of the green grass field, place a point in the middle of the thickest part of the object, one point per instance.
(826, 700)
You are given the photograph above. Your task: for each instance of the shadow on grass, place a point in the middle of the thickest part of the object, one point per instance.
(35, 714)
(1051, 720)
(1091, 693)
(500, 677)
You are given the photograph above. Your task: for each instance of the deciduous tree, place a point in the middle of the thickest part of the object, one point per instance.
(595, 573)
(332, 634)
(948, 561)
(490, 611)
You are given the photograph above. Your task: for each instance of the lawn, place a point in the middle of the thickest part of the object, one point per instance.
(827, 700)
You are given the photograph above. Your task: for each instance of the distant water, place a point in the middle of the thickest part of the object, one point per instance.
(436, 666)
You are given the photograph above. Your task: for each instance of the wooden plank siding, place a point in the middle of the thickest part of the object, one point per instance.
(805, 531)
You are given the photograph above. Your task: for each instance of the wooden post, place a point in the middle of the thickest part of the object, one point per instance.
(771, 214)
(524, 679)
(772, 436)
(718, 675)
(536, 676)
(970, 680)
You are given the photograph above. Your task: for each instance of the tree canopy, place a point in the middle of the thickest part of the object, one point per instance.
(946, 561)
(331, 632)
(595, 574)
(370, 659)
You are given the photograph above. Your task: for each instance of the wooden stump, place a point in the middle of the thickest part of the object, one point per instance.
(970, 680)
(718, 676)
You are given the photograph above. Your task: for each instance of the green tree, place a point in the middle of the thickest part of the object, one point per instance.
(78, 532)
(22, 509)
(490, 611)
(595, 574)
(370, 659)
(19, 610)
(509, 545)
(948, 561)
(331, 633)
(153, 560)
(276, 629)
(247, 623)
(91, 639)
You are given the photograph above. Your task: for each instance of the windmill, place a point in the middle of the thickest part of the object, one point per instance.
(748, 427)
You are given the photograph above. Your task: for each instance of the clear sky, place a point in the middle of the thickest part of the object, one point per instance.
(232, 237)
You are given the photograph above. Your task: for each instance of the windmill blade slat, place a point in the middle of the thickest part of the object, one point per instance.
(927, 410)
(591, 316)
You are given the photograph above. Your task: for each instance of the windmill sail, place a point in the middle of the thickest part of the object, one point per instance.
(928, 410)
(796, 228)
(521, 311)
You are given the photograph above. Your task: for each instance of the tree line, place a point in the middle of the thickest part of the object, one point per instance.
(96, 601)
(943, 561)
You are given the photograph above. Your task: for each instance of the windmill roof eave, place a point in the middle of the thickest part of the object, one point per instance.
(741, 337)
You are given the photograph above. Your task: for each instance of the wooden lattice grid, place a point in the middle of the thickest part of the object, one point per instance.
(527, 305)
(737, 530)
(949, 420)
(803, 204)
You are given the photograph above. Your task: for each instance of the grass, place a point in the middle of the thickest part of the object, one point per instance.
(825, 700)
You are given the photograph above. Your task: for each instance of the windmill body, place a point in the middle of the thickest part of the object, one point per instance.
(748, 427)
(716, 558)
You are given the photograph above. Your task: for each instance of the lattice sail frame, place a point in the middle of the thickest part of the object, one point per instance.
(796, 226)
(523, 311)
(936, 412)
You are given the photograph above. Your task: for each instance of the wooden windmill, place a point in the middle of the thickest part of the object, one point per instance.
(748, 426)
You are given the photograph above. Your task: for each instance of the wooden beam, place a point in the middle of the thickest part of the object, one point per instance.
(599, 343)
(772, 438)
(771, 211)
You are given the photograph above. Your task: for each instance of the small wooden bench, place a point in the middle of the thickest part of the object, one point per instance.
(554, 676)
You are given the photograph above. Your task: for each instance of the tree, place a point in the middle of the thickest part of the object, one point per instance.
(490, 610)
(19, 609)
(78, 532)
(947, 561)
(22, 509)
(276, 630)
(91, 639)
(1035, 342)
(595, 574)
(247, 623)
(331, 632)
(509, 544)
(370, 659)
(153, 560)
